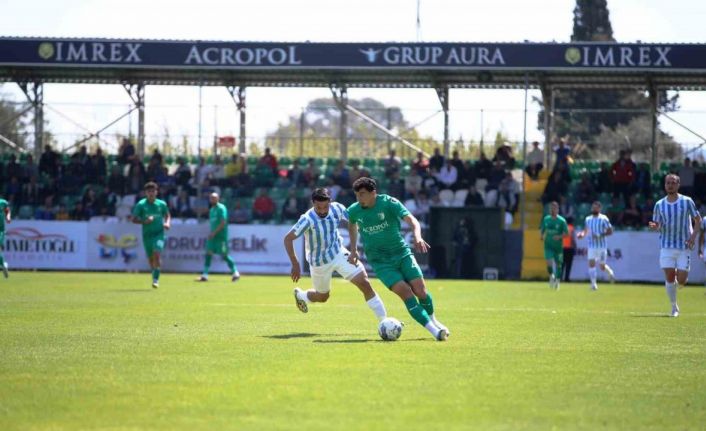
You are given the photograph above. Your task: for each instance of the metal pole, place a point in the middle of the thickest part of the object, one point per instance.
(141, 120)
(389, 127)
(215, 129)
(443, 94)
(552, 123)
(481, 131)
(38, 119)
(241, 109)
(524, 156)
(344, 124)
(301, 133)
(200, 118)
(654, 103)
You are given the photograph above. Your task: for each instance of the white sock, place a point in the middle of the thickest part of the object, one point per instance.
(592, 274)
(671, 292)
(375, 304)
(608, 270)
(302, 294)
(432, 328)
(432, 317)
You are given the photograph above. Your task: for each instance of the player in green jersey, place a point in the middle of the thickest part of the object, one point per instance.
(377, 217)
(218, 238)
(153, 215)
(5, 208)
(553, 229)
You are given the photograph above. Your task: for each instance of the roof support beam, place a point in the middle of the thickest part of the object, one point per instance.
(237, 93)
(34, 91)
(137, 94)
(340, 96)
(443, 94)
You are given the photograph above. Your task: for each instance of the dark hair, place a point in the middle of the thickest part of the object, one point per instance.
(366, 183)
(151, 185)
(597, 203)
(320, 195)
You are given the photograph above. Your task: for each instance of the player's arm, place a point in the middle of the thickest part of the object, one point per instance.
(696, 219)
(701, 243)
(582, 233)
(167, 218)
(8, 216)
(419, 244)
(137, 217)
(219, 228)
(655, 223)
(353, 237)
(289, 247)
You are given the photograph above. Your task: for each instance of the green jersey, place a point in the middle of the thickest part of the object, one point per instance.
(3, 206)
(216, 215)
(158, 209)
(379, 228)
(553, 226)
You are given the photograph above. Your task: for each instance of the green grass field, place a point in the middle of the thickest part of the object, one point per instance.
(105, 351)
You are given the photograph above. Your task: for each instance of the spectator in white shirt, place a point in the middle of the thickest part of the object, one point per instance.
(447, 176)
(535, 161)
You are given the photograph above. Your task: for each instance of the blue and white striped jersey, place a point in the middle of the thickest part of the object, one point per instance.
(703, 229)
(674, 219)
(322, 240)
(597, 227)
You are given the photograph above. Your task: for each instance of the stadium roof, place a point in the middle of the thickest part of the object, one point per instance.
(387, 65)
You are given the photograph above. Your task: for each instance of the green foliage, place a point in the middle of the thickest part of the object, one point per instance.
(13, 126)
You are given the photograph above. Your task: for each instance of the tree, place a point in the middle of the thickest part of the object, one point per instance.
(13, 124)
(584, 115)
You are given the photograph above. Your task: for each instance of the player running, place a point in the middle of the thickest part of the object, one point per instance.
(378, 216)
(702, 250)
(153, 215)
(217, 242)
(597, 227)
(325, 253)
(5, 208)
(678, 222)
(552, 229)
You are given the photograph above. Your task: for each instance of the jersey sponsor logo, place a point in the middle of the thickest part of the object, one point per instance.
(381, 216)
(372, 230)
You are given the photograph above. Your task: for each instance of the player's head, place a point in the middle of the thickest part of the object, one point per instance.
(365, 191)
(596, 207)
(321, 198)
(554, 208)
(214, 198)
(151, 189)
(671, 183)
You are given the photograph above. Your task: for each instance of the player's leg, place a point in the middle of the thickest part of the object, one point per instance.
(321, 281)
(415, 309)
(3, 264)
(604, 266)
(559, 266)
(668, 263)
(412, 273)
(592, 273)
(157, 260)
(549, 257)
(206, 264)
(234, 273)
(357, 275)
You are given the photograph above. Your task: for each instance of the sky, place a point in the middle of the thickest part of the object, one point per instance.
(176, 109)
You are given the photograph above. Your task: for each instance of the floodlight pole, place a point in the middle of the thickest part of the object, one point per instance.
(340, 96)
(654, 103)
(443, 94)
(137, 94)
(34, 91)
(548, 105)
(238, 96)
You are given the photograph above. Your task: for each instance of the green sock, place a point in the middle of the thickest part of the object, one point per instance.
(155, 274)
(2, 260)
(427, 304)
(231, 264)
(416, 311)
(207, 264)
(550, 270)
(557, 271)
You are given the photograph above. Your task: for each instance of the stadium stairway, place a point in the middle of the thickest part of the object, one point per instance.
(533, 263)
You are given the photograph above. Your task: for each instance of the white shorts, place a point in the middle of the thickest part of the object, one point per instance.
(321, 275)
(597, 254)
(670, 258)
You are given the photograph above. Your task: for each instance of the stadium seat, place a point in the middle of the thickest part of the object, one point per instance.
(26, 212)
(411, 205)
(177, 221)
(460, 197)
(447, 197)
(191, 221)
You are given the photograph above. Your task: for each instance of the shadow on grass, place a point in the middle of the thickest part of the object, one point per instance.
(292, 335)
(365, 340)
(132, 290)
(651, 315)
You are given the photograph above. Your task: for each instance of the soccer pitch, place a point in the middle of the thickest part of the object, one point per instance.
(105, 351)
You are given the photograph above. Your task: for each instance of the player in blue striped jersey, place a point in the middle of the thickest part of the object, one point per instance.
(596, 227)
(702, 250)
(678, 222)
(325, 253)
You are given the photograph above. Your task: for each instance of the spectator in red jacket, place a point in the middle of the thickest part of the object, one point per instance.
(269, 160)
(263, 207)
(623, 175)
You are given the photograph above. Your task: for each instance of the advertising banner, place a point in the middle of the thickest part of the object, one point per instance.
(40, 244)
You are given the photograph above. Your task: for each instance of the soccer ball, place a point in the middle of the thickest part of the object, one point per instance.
(390, 329)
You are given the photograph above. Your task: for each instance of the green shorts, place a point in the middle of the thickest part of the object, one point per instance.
(554, 253)
(217, 246)
(153, 243)
(396, 270)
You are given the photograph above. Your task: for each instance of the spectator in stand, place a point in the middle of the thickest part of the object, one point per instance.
(468, 178)
(447, 176)
(504, 155)
(421, 164)
(126, 152)
(82, 154)
(48, 163)
(62, 214)
(562, 152)
(116, 181)
(202, 176)
(293, 207)
(269, 160)
(341, 176)
(46, 211)
(565, 208)
(392, 164)
(473, 198)
(421, 207)
(413, 183)
(687, 174)
(437, 160)
(31, 192)
(14, 169)
(14, 190)
(457, 163)
(632, 215)
(29, 169)
(356, 171)
(615, 211)
(295, 175)
(182, 174)
(555, 188)
(100, 166)
(264, 207)
(647, 210)
(263, 175)
(157, 157)
(604, 182)
(585, 191)
(136, 177)
(79, 213)
(396, 187)
(237, 169)
(218, 172)
(643, 180)
(77, 169)
(182, 205)
(345, 197)
(495, 177)
(623, 175)
(90, 202)
(333, 188)
(311, 172)
(535, 161)
(483, 166)
(508, 193)
(107, 202)
(239, 215)
(153, 169)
